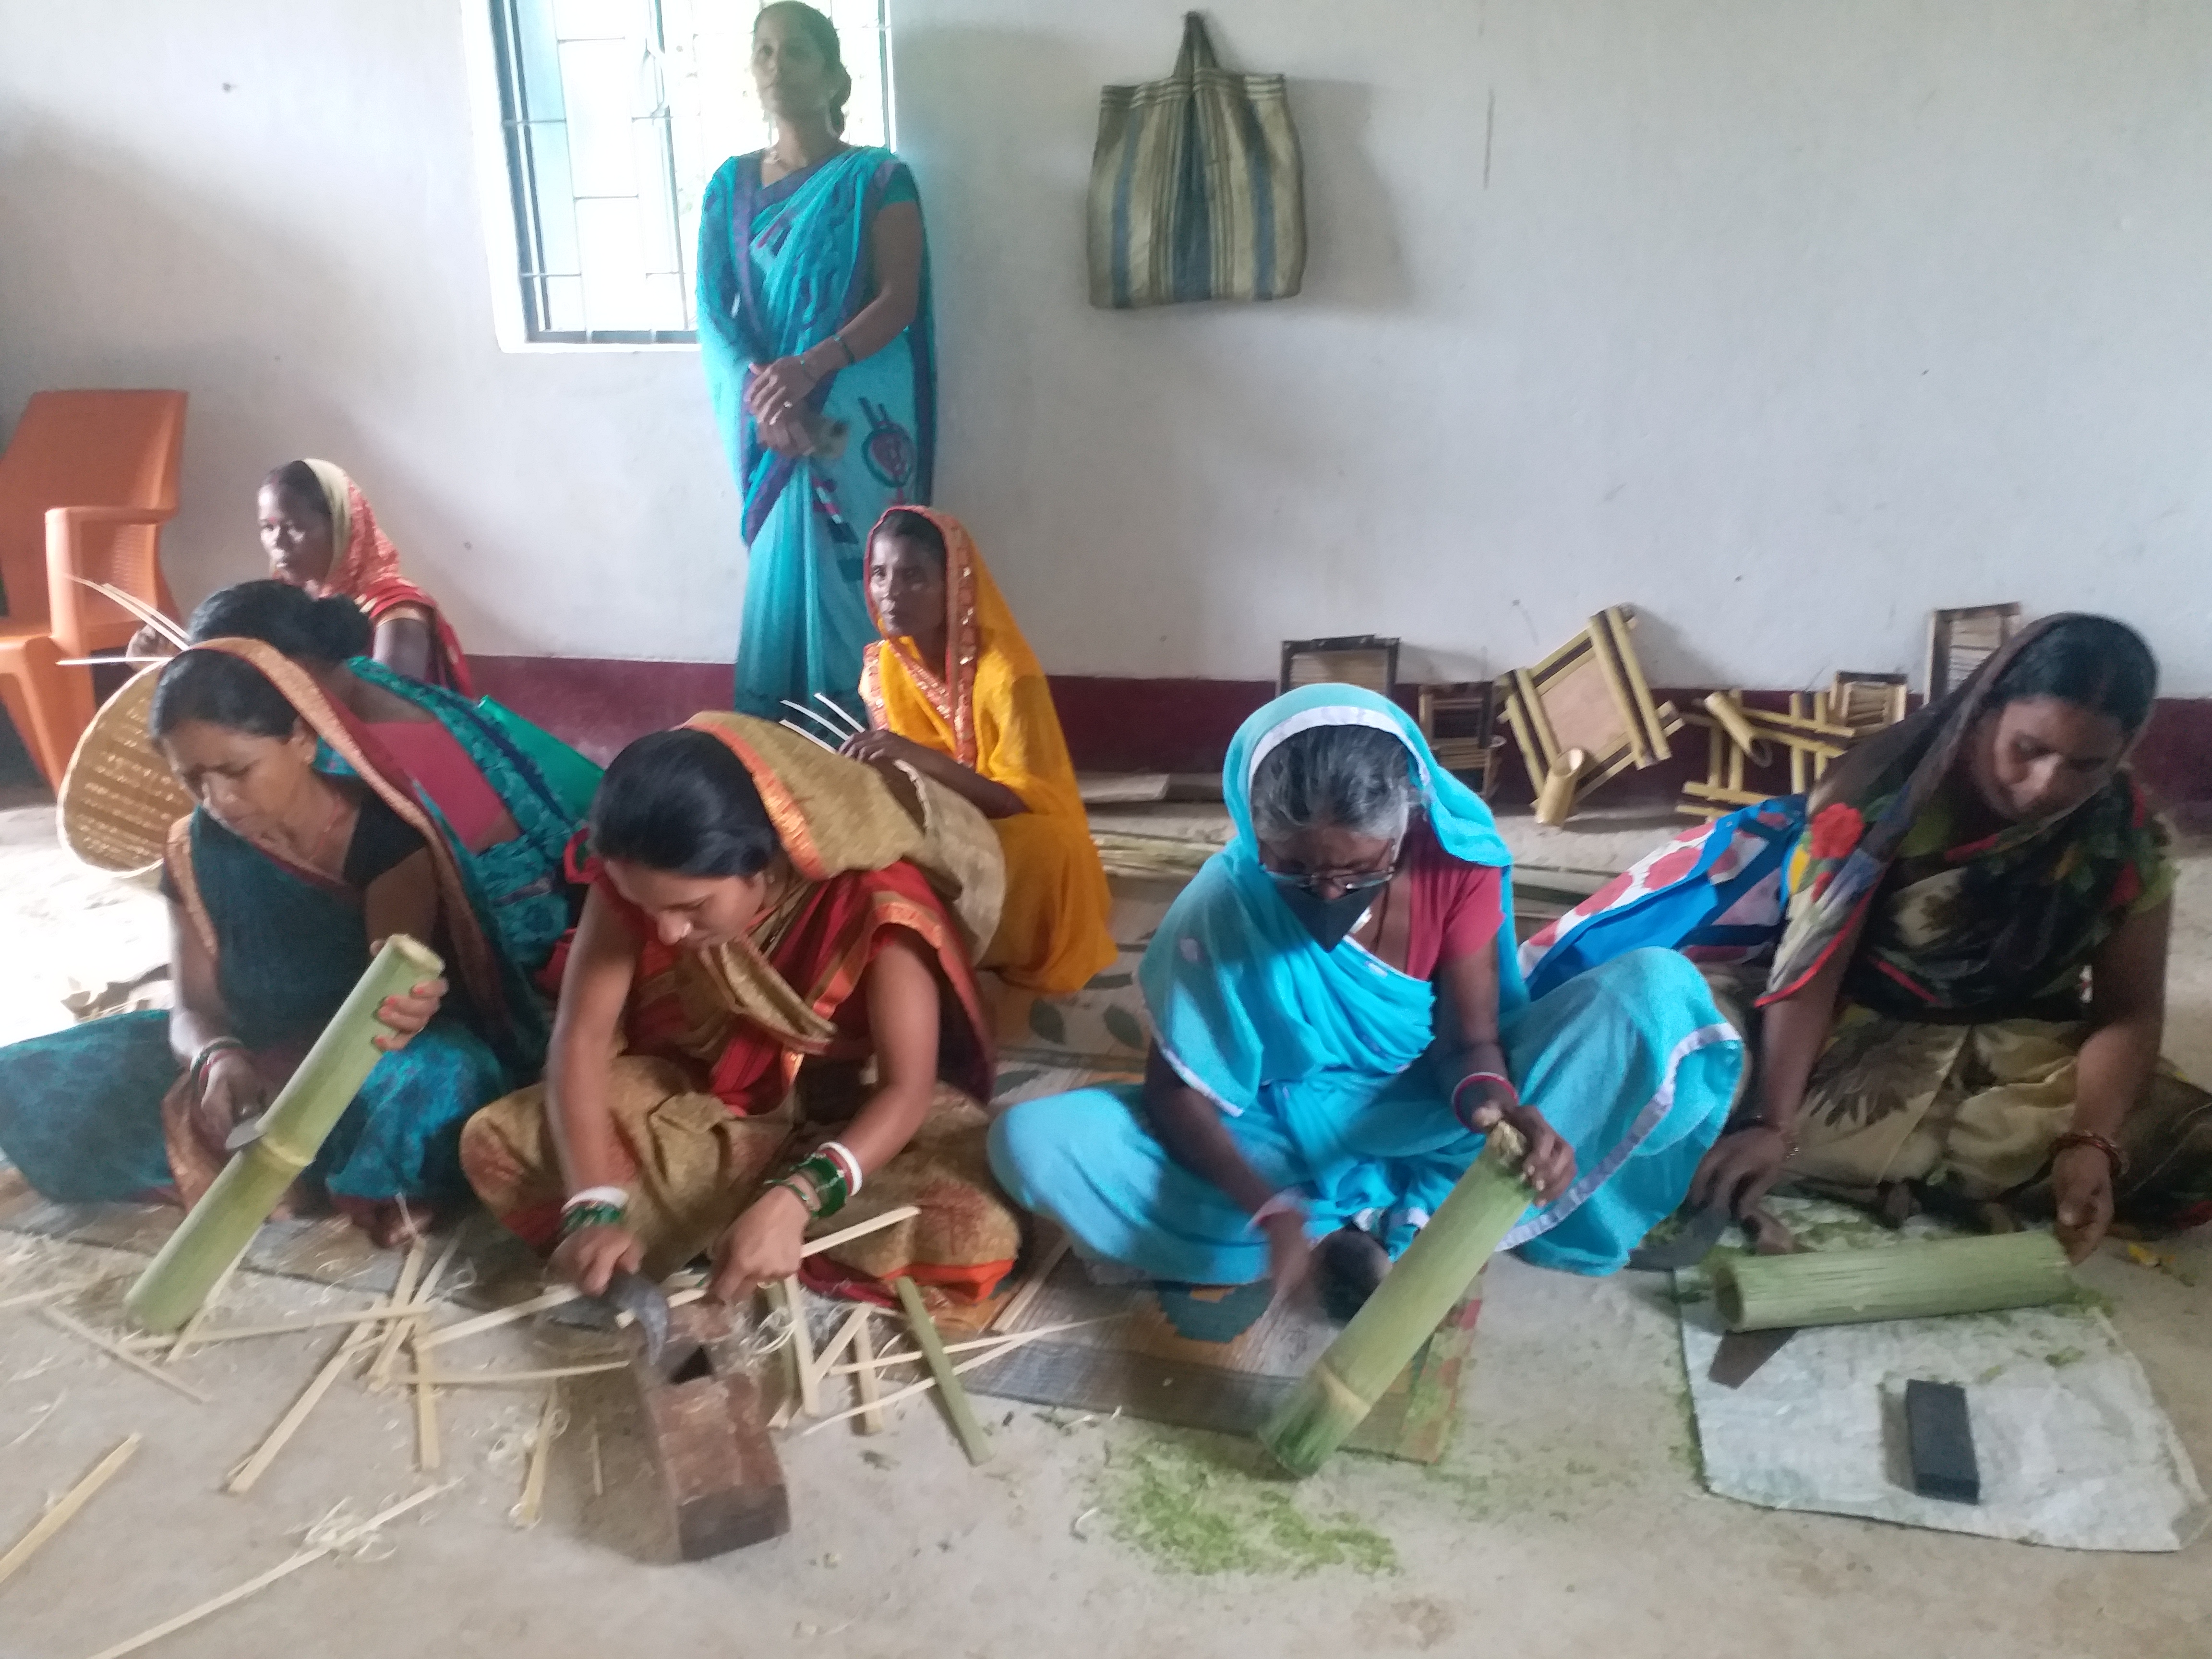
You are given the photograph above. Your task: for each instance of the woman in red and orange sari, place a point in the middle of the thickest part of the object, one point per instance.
(769, 1028)
(953, 690)
(320, 535)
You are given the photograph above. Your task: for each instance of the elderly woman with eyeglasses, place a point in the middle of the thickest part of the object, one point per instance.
(1339, 1019)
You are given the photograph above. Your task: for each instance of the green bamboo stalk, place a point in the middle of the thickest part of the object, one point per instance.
(223, 1223)
(1334, 1397)
(973, 1440)
(1896, 1281)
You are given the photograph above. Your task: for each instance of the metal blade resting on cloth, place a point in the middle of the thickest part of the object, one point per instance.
(1743, 1353)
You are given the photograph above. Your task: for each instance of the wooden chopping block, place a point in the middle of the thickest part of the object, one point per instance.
(704, 1416)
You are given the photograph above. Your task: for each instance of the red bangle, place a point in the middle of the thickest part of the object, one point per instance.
(2074, 1138)
(1480, 1076)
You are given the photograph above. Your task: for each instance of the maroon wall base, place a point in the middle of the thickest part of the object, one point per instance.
(1114, 725)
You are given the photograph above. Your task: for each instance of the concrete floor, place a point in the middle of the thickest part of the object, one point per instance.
(1567, 1519)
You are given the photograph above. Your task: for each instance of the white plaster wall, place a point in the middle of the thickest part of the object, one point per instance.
(1785, 319)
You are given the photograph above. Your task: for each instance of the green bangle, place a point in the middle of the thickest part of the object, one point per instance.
(578, 1217)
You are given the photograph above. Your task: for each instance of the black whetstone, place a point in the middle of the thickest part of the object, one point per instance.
(703, 1416)
(1940, 1441)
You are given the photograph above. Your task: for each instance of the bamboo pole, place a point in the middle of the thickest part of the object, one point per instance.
(1334, 1397)
(1922, 1280)
(972, 1437)
(223, 1223)
(71, 1502)
(189, 1338)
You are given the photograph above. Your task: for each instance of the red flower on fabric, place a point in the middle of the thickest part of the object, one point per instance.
(1836, 831)
(1671, 866)
(2128, 888)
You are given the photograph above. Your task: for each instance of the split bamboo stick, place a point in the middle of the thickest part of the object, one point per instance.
(304, 1557)
(1032, 1287)
(508, 1379)
(973, 1440)
(257, 1463)
(802, 1348)
(116, 1351)
(1002, 1347)
(865, 1380)
(223, 1223)
(997, 1339)
(387, 1353)
(1897, 1281)
(532, 1504)
(69, 1503)
(189, 1338)
(1336, 1396)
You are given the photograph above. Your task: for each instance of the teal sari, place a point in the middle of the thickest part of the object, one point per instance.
(782, 267)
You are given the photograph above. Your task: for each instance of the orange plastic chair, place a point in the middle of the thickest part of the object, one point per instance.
(86, 484)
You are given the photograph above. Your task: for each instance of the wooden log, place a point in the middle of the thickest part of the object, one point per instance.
(66, 1506)
(973, 1440)
(1336, 1395)
(216, 1231)
(1922, 1280)
(704, 1421)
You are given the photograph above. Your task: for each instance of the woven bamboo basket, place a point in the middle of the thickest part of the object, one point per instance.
(118, 797)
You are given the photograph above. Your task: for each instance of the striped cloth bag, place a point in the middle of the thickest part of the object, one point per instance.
(1197, 190)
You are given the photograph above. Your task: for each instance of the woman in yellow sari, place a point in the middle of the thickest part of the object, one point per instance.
(954, 692)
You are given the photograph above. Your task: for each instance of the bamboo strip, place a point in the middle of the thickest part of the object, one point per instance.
(376, 1315)
(508, 1379)
(215, 1233)
(1032, 1287)
(532, 1504)
(1736, 796)
(1616, 685)
(189, 1338)
(858, 1229)
(866, 1382)
(908, 1357)
(217, 1604)
(973, 1440)
(1620, 620)
(116, 1351)
(802, 1348)
(387, 1355)
(258, 1461)
(1800, 764)
(51, 1293)
(1539, 720)
(1005, 1345)
(69, 1503)
(553, 1298)
(428, 1453)
(847, 1334)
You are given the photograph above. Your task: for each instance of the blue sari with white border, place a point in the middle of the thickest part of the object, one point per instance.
(1316, 1058)
(782, 267)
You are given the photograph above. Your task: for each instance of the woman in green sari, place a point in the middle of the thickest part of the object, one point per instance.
(1966, 1007)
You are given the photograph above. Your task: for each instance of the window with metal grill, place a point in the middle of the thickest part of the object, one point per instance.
(616, 115)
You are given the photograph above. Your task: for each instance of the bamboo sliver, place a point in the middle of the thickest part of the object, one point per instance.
(216, 1231)
(69, 1503)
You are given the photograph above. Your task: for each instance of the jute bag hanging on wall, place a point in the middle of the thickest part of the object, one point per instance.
(1197, 191)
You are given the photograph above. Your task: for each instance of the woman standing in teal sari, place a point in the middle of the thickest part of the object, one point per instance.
(814, 328)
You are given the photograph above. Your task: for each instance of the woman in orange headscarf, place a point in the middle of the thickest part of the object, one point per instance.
(320, 535)
(953, 690)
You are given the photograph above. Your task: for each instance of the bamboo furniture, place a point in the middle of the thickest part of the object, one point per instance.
(1367, 661)
(1457, 720)
(1589, 695)
(1961, 641)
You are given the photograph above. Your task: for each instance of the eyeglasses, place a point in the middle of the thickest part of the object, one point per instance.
(1347, 881)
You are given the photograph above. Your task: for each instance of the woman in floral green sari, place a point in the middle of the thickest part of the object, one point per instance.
(1966, 1003)
(1950, 962)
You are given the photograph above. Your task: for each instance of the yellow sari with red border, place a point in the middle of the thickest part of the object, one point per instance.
(988, 707)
